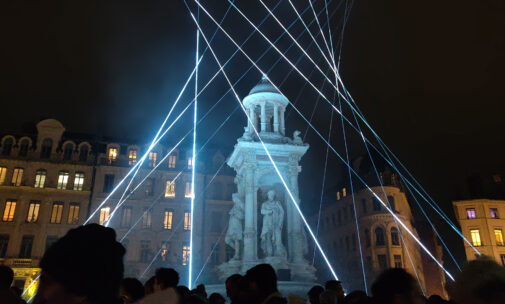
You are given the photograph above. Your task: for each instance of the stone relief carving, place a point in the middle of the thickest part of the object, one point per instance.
(234, 234)
(271, 232)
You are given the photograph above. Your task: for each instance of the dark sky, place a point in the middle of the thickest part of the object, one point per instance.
(428, 75)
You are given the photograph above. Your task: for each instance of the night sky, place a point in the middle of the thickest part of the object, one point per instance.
(427, 75)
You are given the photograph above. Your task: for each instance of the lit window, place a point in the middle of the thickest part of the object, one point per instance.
(126, 217)
(499, 237)
(475, 234)
(494, 213)
(132, 157)
(171, 161)
(344, 192)
(188, 190)
(185, 254)
(395, 241)
(104, 215)
(470, 213)
(62, 180)
(73, 213)
(10, 208)
(17, 176)
(398, 261)
(3, 172)
(338, 195)
(146, 219)
(190, 162)
(33, 212)
(78, 181)
(56, 213)
(112, 154)
(152, 159)
(167, 219)
(187, 220)
(170, 189)
(164, 251)
(40, 178)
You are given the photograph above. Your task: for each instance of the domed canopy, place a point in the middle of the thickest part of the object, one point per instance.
(263, 86)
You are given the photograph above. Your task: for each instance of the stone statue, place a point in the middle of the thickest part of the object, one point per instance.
(297, 140)
(234, 234)
(271, 232)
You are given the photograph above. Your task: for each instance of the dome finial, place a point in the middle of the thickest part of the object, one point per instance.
(264, 85)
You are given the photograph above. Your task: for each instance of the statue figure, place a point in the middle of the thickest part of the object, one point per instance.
(271, 232)
(234, 233)
(297, 140)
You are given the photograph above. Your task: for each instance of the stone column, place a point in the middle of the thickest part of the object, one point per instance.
(250, 235)
(297, 252)
(276, 119)
(252, 114)
(263, 118)
(251, 124)
(282, 121)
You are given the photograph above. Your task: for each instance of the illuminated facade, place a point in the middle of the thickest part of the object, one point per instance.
(483, 225)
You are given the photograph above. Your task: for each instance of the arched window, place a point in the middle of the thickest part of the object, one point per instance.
(83, 153)
(395, 240)
(23, 147)
(7, 146)
(67, 151)
(47, 146)
(367, 238)
(379, 237)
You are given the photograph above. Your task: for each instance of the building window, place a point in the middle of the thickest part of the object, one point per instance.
(150, 187)
(83, 153)
(363, 205)
(398, 261)
(215, 250)
(383, 262)
(104, 215)
(367, 238)
(494, 213)
(3, 173)
(171, 161)
(23, 148)
(7, 146)
(73, 213)
(391, 201)
(50, 240)
(470, 213)
(78, 181)
(167, 219)
(152, 159)
(146, 219)
(33, 212)
(395, 240)
(4, 242)
(62, 180)
(145, 251)
(475, 234)
(25, 252)
(188, 190)
(170, 189)
(108, 183)
(10, 209)
(126, 216)
(379, 237)
(67, 152)
(132, 157)
(112, 155)
(164, 253)
(185, 254)
(187, 220)
(499, 237)
(56, 212)
(46, 149)
(376, 204)
(17, 176)
(190, 163)
(40, 178)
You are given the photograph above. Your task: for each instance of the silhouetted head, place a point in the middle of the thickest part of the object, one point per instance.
(395, 285)
(356, 297)
(131, 290)
(216, 298)
(165, 278)
(335, 286)
(314, 294)
(232, 286)
(262, 281)
(149, 286)
(6, 277)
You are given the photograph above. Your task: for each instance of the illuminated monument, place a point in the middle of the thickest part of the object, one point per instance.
(264, 226)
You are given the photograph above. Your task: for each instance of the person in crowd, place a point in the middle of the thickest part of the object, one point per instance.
(314, 294)
(200, 292)
(6, 294)
(84, 266)
(263, 285)
(149, 286)
(216, 298)
(481, 281)
(356, 297)
(436, 299)
(232, 288)
(131, 290)
(337, 287)
(165, 284)
(396, 286)
(328, 297)
(193, 299)
(183, 292)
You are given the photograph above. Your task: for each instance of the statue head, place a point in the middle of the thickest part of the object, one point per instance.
(271, 195)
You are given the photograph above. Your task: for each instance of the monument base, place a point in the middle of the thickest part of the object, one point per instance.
(285, 288)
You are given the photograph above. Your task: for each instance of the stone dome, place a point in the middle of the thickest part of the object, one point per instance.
(263, 86)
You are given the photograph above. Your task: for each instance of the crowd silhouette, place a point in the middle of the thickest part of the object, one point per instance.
(86, 267)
